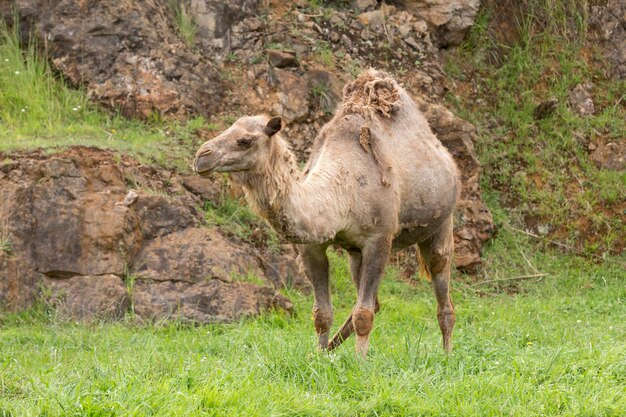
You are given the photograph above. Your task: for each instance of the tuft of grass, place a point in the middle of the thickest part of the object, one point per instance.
(324, 55)
(325, 99)
(186, 26)
(238, 220)
(6, 246)
(31, 98)
(39, 110)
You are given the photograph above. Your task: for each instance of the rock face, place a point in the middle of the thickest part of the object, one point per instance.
(607, 21)
(72, 224)
(127, 54)
(449, 19)
(193, 255)
(292, 96)
(85, 297)
(203, 302)
(223, 25)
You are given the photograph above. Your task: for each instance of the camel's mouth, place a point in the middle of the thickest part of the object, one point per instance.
(206, 162)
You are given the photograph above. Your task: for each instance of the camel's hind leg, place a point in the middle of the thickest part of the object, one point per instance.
(437, 252)
(315, 264)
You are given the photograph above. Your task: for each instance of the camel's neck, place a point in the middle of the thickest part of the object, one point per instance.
(271, 190)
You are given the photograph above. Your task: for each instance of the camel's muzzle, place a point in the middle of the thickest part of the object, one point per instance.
(206, 162)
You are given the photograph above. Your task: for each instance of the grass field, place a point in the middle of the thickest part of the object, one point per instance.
(556, 347)
(553, 345)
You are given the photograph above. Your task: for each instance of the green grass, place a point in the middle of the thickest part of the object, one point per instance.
(540, 170)
(186, 26)
(237, 219)
(38, 110)
(555, 348)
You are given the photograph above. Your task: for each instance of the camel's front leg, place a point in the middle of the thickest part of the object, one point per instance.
(347, 328)
(315, 264)
(374, 259)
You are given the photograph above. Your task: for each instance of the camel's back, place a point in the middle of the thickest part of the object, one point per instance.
(425, 170)
(420, 169)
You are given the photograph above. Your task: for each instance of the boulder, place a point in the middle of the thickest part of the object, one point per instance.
(282, 269)
(160, 215)
(194, 255)
(19, 284)
(128, 55)
(206, 189)
(292, 96)
(282, 59)
(86, 297)
(63, 219)
(203, 302)
(218, 22)
(448, 19)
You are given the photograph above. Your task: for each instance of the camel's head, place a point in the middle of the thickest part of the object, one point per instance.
(245, 146)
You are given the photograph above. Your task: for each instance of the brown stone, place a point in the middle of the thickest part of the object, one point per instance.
(292, 96)
(282, 269)
(86, 297)
(160, 215)
(282, 59)
(205, 188)
(194, 255)
(63, 218)
(449, 19)
(203, 302)
(611, 155)
(19, 284)
(71, 220)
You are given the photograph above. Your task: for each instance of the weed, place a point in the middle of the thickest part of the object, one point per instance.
(323, 54)
(186, 26)
(5, 245)
(237, 219)
(325, 99)
(31, 98)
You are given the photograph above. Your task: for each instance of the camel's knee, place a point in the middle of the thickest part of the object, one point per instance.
(440, 259)
(363, 320)
(323, 321)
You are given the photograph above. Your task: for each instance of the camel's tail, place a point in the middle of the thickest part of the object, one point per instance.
(423, 268)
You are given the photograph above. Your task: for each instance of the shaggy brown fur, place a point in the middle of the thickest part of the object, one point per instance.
(373, 92)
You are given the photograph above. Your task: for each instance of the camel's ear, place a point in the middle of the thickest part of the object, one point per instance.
(273, 126)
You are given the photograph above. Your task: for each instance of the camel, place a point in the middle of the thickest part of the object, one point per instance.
(377, 181)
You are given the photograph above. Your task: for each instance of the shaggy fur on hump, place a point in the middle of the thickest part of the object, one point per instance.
(373, 92)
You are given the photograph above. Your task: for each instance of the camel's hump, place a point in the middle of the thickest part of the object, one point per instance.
(372, 93)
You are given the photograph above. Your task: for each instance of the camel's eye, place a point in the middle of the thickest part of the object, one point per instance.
(245, 143)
